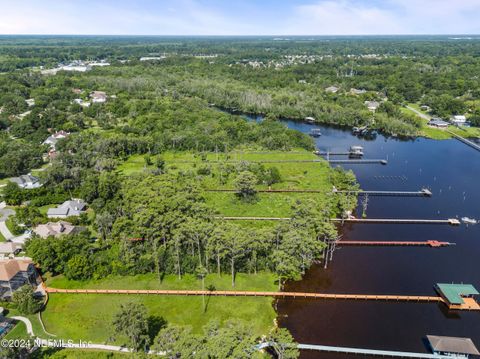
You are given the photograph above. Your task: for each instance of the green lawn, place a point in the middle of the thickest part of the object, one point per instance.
(18, 332)
(51, 353)
(88, 316)
(300, 175)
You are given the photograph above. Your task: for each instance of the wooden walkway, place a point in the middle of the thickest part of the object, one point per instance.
(358, 162)
(226, 293)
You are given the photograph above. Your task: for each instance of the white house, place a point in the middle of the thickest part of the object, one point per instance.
(458, 120)
(53, 139)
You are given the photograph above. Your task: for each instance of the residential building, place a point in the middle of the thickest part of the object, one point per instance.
(372, 105)
(56, 229)
(53, 139)
(26, 181)
(98, 97)
(10, 248)
(332, 89)
(438, 122)
(68, 209)
(355, 91)
(30, 102)
(15, 273)
(458, 120)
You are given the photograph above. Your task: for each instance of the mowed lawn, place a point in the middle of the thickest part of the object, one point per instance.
(89, 316)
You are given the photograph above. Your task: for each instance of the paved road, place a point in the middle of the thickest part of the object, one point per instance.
(4, 214)
(422, 115)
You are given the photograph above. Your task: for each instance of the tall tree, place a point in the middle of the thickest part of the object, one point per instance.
(131, 321)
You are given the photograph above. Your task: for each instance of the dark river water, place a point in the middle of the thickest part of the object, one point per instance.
(451, 170)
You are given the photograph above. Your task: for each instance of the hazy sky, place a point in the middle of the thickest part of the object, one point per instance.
(240, 17)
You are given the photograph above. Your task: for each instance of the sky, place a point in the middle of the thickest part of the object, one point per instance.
(239, 17)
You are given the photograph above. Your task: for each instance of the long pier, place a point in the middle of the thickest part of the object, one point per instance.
(422, 193)
(450, 221)
(226, 293)
(464, 140)
(371, 352)
(358, 162)
(432, 244)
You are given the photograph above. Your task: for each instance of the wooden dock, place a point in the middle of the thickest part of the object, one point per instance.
(422, 193)
(226, 293)
(450, 221)
(358, 162)
(432, 244)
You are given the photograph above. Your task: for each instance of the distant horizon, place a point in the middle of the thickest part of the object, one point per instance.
(241, 35)
(245, 18)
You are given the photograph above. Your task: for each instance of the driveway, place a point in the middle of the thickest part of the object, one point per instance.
(4, 214)
(422, 115)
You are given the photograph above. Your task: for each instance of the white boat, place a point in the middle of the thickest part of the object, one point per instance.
(468, 220)
(315, 132)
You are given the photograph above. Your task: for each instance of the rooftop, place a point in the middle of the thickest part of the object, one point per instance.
(452, 345)
(454, 292)
(10, 267)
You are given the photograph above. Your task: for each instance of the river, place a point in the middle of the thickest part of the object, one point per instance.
(450, 169)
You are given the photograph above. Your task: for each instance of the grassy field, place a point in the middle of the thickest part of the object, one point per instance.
(88, 317)
(299, 175)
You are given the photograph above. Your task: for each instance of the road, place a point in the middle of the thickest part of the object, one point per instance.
(422, 115)
(4, 214)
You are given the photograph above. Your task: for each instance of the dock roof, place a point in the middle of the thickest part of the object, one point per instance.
(454, 292)
(452, 345)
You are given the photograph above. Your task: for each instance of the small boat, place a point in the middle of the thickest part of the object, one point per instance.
(468, 220)
(359, 130)
(310, 119)
(355, 151)
(315, 132)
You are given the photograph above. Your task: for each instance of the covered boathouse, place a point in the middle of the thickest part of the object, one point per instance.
(452, 346)
(458, 296)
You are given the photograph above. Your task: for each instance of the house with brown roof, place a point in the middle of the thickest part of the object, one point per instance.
(15, 273)
(56, 229)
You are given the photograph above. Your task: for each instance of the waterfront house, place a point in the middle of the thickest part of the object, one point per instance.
(437, 122)
(26, 181)
(452, 346)
(56, 229)
(15, 273)
(458, 120)
(68, 209)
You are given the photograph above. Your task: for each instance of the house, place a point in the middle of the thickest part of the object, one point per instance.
(30, 102)
(56, 229)
(425, 108)
(355, 91)
(77, 91)
(10, 248)
(26, 181)
(438, 122)
(452, 346)
(53, 139)
(458, 120)
(332, 89)
(82, 103)
(15, 273)
(372, 105)
(68, 209)
(98, 97)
